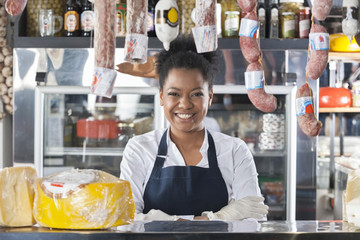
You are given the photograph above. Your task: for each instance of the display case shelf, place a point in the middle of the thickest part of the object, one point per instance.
(89, 151)
(340, 110)
(154, 43)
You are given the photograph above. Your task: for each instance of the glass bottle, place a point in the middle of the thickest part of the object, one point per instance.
(274, 19)
(288, 19)
(120, 18)
(151, 18)
(230, 18)
(72, 18)
(261, 11)
(304, 22)
(87, 19)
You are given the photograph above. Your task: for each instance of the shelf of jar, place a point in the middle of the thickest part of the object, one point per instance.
(344, 56)
(340, 110)
(86, 151)
(154, 43)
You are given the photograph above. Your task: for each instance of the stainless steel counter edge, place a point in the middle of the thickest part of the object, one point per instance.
(245, 230)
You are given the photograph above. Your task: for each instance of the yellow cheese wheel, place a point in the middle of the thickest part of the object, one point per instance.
(339, 42)
(17, 186)
(83, 199)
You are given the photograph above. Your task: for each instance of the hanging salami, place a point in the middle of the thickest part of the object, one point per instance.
(136, 40)
(104, 47)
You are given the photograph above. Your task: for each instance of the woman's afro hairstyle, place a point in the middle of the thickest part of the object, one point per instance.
(183, 54)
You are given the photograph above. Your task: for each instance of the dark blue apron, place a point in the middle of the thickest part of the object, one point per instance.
(185, 190)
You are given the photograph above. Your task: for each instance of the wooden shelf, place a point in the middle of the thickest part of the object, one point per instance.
(340, 110)
(344, 56)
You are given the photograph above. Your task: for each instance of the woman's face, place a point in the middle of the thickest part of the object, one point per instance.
(185, 97)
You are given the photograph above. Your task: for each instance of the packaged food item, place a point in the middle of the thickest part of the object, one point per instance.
(204, 32)
(230, 18)
(72, 18)
(136, 40)
(274, 19)
(17, 189)
(167, 21)
(187, 13)
(151, 18)
(304, 22)
(356, 94)
(87, 19)
(120, 18)
(83, 199)
(262, 18)
(289, 18)
(104, 48)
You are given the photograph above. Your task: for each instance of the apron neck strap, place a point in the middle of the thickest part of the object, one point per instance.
(211, 152)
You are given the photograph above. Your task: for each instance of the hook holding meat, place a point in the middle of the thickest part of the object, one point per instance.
(254, 81)
(305, 112)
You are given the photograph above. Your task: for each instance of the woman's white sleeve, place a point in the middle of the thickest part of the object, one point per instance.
(245, 182)
(133, 170)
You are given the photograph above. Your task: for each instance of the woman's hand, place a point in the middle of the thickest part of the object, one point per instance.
(201, 218)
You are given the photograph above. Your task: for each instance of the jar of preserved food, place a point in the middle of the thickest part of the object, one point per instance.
(304, 22)
(186, 9)
(32, 15)
(289, 18)
(230, 18)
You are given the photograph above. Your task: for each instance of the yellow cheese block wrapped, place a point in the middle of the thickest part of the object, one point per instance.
(83, 199)
(17, 186)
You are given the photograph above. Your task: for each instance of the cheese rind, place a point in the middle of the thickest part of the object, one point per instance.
(17, 186)
(100, 200)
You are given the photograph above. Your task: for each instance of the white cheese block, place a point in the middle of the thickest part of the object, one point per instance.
(351, 209)
(17, 186)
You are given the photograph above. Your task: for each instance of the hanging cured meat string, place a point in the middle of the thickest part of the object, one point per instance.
(104, 46)
(136, 40)
(204, 32)
(318, 52)
(250, 48)
(305, 111)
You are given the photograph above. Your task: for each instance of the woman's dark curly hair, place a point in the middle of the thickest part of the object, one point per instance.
(183, 54)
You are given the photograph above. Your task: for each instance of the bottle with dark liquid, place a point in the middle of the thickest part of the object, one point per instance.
(151, 18)
(261, 10)
(87, 19)
(72, 18)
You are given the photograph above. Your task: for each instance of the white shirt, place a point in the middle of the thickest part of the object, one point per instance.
(235, 162)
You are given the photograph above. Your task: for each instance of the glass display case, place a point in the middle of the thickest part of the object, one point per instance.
(271, 138)
(76, 129)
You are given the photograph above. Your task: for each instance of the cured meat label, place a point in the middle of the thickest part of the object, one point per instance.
(319, 41)
(135, 49)
(205, 38)
(304, 105)
(254, 79)
(248, 28)
(103, 82)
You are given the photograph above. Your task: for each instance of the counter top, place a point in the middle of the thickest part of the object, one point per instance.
(248, 230)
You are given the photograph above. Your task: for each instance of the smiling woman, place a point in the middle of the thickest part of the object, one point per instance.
(188, 171)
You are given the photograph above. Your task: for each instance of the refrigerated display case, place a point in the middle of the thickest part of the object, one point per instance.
(75, 129)
(52, 100)
(271, 138)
